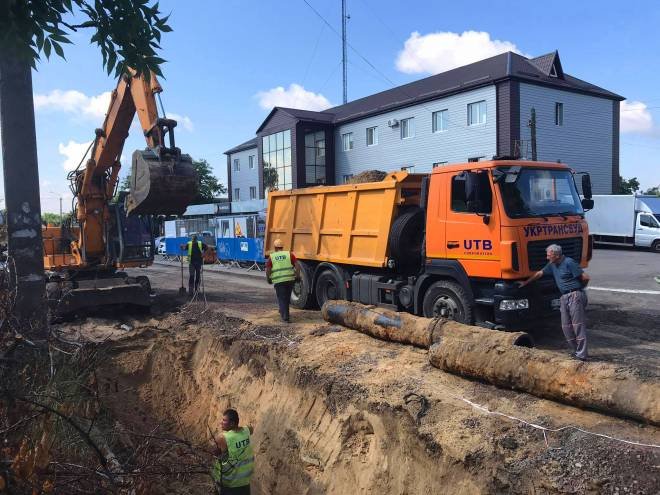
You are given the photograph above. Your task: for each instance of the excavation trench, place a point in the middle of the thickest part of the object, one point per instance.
(337, 412)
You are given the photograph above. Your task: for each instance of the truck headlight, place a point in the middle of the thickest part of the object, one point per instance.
(513, 304)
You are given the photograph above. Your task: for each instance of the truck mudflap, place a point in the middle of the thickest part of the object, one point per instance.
(65, 302)
(514, 306)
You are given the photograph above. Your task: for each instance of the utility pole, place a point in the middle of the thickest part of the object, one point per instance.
(344, 58)
(61, 217)
(21, 174)
(532, 126)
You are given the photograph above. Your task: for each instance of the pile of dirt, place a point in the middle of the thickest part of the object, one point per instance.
(367, 176)
(337, 412)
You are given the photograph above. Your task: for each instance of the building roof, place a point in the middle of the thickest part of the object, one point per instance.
(545, 70)
(252, 143)
(507, 65)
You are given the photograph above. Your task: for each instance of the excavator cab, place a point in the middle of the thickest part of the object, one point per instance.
(163, 181)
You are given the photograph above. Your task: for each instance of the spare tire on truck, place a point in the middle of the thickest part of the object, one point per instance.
(406, 238)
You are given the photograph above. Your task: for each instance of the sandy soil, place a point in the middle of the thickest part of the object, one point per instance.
(338, 412)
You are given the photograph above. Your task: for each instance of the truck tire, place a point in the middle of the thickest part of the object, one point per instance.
(406, 237)
(655, 247)
(328, 287)
(448, 299)
(302, 295)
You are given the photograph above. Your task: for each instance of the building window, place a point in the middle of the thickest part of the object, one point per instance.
(347, 141)
(237, 194)
(315, 157)
(410, 169)
(372, 136)
(477, 113)
(251, 162)
(276, 156)
(253, 192)
(475, 159)
(346, 178)
(439, 164)
(407, 128)
(440, 121)
(237, 165)
(559, 113)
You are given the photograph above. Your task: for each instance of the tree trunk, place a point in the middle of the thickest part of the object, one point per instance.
(21, 175)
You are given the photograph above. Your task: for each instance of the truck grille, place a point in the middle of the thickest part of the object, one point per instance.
(571, 247)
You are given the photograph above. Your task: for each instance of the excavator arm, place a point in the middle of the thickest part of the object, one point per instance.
(163, 181)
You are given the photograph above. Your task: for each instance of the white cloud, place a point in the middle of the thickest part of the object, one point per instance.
(73, 153)
(635, 118)
(182, 120)
(438, 52)
(75, 102)
(294, 97)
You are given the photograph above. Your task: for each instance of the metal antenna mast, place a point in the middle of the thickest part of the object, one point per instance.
(344, 58)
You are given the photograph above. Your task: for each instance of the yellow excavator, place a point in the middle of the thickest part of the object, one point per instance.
(84, 259)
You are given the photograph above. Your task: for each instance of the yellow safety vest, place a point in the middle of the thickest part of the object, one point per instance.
(237, 467)
(189, 246)
(283, 270)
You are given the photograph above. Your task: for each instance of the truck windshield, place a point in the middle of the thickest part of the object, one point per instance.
(539, 193)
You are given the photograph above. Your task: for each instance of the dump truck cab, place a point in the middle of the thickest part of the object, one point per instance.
(488, 225)
(452, 243)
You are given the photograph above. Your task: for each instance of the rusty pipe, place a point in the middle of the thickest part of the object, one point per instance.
(410, 329)
(600, 386)
(506, 359)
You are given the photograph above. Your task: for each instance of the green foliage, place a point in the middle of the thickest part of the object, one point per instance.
(653, 191)
(270, 179)
(53, 218)
(629, 186)
(128, 32)
(209, 186)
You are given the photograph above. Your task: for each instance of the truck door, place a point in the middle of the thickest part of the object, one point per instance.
(473, 224)
(647, 230)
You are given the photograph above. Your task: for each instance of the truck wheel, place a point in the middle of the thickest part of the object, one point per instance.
(448, 300)
(328, 287)
(655, 247)
(302, 295)
(406, 236)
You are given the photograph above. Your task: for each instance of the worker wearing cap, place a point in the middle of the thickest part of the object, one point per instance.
(282, 270)
(233, 470)
(194, 249)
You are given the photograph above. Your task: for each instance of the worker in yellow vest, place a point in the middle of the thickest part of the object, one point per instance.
(194, 249)
(233, 470)
(282, 270)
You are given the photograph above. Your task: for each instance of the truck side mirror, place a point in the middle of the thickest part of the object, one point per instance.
(587, 204)
(586, 188)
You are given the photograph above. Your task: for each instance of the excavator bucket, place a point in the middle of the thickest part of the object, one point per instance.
(161, 186)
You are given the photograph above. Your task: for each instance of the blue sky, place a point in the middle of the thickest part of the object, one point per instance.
(229, 61)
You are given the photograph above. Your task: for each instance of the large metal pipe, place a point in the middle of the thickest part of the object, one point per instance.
(506, 359)
(410, 329)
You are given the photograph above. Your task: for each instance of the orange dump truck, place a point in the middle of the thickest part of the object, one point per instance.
(451, 243)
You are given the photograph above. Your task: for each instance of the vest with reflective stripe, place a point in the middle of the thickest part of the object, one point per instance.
(283, 270)
(236, 470)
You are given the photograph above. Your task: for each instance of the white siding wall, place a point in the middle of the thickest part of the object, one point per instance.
(246, 177)
(456, 145)
(584, 141)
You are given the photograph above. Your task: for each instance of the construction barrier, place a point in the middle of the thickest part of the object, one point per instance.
(173, 245)
(240, 249)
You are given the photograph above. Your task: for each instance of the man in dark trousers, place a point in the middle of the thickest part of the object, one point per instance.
(233, 470)
(571, 281)
(282, 270)
(194, 250)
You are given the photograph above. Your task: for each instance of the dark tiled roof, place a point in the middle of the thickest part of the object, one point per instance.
(505, 66)
(252, 143)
